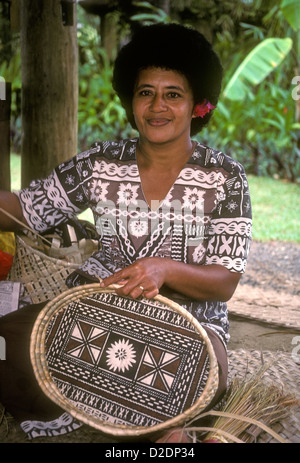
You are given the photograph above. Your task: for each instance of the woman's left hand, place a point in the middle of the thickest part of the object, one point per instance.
(144, 277)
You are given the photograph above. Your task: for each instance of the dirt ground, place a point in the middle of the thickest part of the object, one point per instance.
(273, 268)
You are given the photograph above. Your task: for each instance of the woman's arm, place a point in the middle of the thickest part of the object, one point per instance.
(202, 282)
(10, 203)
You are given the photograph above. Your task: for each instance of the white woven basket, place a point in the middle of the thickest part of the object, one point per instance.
(43, 277)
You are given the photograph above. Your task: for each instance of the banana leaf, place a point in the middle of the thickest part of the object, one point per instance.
(259, 63)
(291, 12)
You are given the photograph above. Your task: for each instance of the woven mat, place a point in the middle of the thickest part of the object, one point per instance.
(283, 372)
(269, 306)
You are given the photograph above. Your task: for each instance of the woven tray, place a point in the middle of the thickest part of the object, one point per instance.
(169, 373)
(271, 307)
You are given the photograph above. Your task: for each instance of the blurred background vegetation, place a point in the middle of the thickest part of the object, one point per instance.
(257, 120)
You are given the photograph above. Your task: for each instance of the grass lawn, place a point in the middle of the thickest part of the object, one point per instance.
(276, 209)
(275, 206)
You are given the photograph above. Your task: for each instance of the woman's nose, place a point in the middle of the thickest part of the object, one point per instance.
(158, 103)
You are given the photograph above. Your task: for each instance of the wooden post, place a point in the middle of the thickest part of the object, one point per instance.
(49, 59)
(5, 103)
(108, 33)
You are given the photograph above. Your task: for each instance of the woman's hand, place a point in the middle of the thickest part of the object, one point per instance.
(144, 277)
(200, 282)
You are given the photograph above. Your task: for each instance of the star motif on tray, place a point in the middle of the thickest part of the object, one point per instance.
(86, 342)
(120, 356)
(158, 368)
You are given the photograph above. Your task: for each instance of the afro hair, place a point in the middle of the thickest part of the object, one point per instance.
(173, 47)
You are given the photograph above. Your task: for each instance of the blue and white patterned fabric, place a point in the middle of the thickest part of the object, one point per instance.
(204, 219)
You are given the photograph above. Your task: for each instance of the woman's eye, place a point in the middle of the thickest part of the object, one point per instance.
(144, 93)
(173, 95)
(149, 93)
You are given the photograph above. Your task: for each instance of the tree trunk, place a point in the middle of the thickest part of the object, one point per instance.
(108, 34)
(49, 59)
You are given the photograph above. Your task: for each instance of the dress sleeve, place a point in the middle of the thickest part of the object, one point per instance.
(230, 231)
(63, 194)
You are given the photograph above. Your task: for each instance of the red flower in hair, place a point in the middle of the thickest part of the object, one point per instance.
(203, 108)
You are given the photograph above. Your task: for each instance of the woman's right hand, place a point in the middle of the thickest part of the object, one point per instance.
(143, 277)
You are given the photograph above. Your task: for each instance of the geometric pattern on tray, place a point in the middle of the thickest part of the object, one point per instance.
(125, 361)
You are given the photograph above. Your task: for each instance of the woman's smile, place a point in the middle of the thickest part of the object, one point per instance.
(158, 122)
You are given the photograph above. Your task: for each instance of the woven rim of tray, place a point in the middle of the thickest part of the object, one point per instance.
(38, 360)
(283, 371)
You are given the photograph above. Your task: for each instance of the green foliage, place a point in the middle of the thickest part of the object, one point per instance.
(291, 11)
(100, 114)
(259, 131)
(150, 15)
(255, 120)
(257, 65)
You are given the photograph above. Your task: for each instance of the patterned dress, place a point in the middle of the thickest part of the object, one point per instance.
(204, 219)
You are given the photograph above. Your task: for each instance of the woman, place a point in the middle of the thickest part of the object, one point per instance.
(174, 216)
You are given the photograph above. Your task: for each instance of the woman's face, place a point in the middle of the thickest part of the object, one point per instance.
(162, 106)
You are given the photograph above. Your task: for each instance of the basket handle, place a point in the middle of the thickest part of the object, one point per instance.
(25, 226)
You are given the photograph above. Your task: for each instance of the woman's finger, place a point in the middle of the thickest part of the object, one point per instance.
(116, 278)
(150, 294)
(134, 290)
